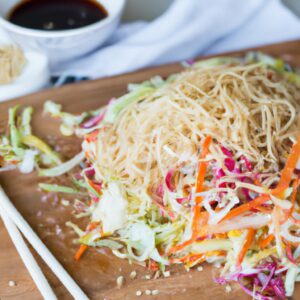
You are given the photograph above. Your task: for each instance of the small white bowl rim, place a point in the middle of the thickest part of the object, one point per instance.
(62, 33)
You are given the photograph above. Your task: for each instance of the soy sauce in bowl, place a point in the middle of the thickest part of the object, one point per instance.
(53, 15)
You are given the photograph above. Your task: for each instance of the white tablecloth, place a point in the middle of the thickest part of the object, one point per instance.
(187, 29)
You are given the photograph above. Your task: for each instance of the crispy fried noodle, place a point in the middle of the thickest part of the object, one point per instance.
(200, 167)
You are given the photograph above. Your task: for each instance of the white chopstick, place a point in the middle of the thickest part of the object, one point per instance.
(27, 258)
(41, 249)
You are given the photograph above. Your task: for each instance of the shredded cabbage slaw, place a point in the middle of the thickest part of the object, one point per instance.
(218, 201)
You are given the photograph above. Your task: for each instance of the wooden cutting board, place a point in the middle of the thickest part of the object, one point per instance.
(96, 272)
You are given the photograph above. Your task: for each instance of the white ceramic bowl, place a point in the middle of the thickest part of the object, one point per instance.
(64, 45)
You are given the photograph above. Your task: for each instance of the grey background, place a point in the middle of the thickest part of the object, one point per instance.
(150, 9)
(294, 5)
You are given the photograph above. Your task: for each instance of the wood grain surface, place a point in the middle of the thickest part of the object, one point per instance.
(96, 272)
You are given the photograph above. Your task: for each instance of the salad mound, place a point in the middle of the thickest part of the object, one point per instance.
(200, 167)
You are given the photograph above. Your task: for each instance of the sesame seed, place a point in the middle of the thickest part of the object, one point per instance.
(132, 275)
(148, 292)
(147, 277)
(12, 283)
(139, 293)
(200, 269)
(156, 275)
(65, 202)
(167, 274)
(120, 281)
(228, 288)
(155, 292)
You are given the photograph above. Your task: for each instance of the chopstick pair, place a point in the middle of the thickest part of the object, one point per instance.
(15, 223)
(27, 257)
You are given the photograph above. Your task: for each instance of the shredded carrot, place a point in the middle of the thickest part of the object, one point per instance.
(80, 252)
(181, 246)
(96, 187)
(200, 218)
(246, 207)
(199, 184)
(293, 200)
(194, 257)
(295, 221)
(14, 162)
(289, 254)
(102, 231)
(202, 221)
(247, 244)
(264, 209)
(195, 261)
(188, 258)
(215, 253)
(152, 265)
(92, 137)
(218, 208)
(265, 242)
(92, 225)
(221, 235)
(288, 170)
(257, 182)
(202, 168)
(82, 248)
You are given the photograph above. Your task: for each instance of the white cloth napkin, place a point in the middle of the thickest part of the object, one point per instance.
(187, 29)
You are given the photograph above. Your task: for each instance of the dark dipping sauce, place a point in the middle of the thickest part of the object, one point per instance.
(54, 15)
